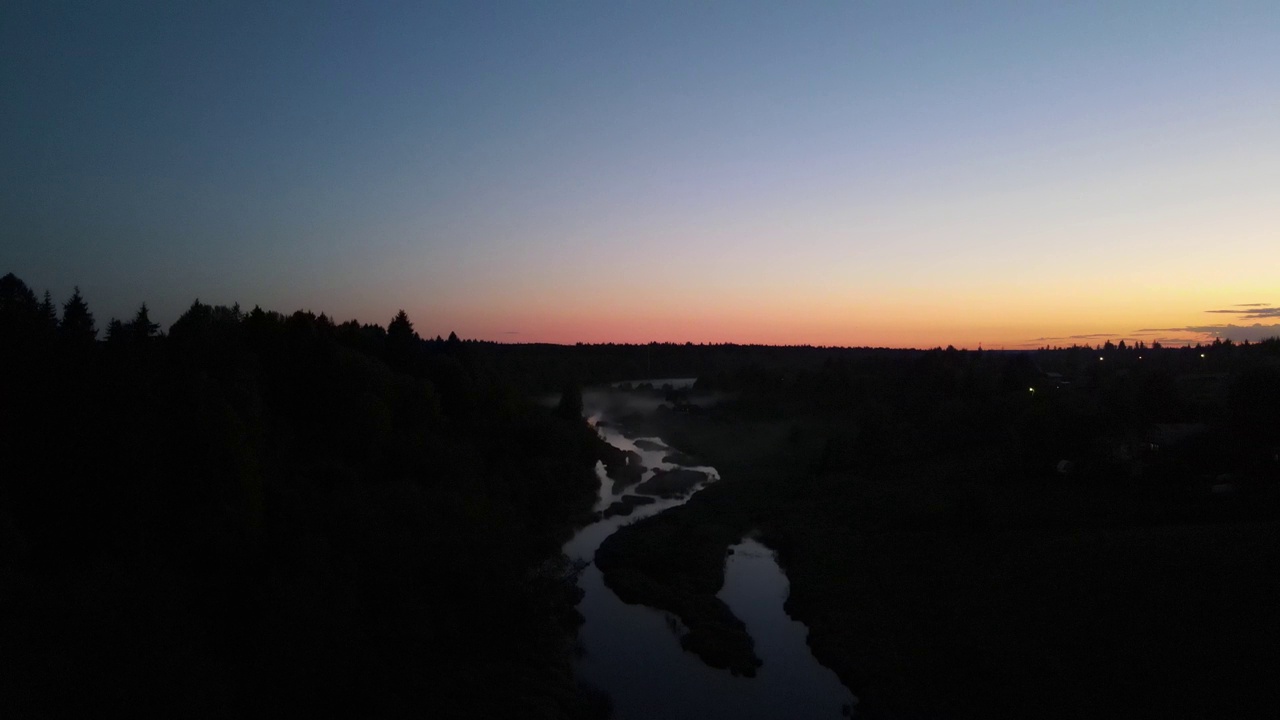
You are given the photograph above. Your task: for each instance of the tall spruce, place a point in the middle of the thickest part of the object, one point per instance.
(77, 322)
(141, 327)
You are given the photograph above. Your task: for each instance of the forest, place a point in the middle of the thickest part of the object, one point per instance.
(1080, 532)
(257, 512)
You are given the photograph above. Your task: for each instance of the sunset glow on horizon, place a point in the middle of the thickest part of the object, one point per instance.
(857, 174)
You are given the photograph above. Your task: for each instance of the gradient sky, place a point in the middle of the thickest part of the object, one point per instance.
(855, 173)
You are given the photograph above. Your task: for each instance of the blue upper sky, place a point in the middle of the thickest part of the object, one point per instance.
(788, 172)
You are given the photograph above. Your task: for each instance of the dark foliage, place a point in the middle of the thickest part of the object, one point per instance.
(77, 324)
(570, 406)
(979, 534)
(259, 514)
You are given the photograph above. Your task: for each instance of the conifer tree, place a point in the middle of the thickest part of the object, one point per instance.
(115, 331)
(400, 326)
(15, 297)
(77, 322)
(48, 313)
(19, 313)
(142, 328)
(400, 341)
(570, 406)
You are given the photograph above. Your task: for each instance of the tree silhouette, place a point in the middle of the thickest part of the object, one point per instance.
(208, 454)
(570, 406)
(142, 328)
(77, 322)
(48, 313)
(19, 313)
(15, 296)
(401, 340)
(115, 331)
(400, 326)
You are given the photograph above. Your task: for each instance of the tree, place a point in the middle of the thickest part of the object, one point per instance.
(401, 340)
(115, 331)
(77, 322)
(570, 406)
(48, 313)
(19, 312)
(17, 302)
(15, 296)
(142, 328)
(400, 326)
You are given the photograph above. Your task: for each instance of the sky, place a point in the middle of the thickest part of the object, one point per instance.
(906, 174)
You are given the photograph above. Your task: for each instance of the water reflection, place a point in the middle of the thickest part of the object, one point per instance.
(633, 652)
(792, 682)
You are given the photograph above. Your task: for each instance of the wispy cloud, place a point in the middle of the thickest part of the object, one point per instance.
(1255, 314)
(1192, 334)
(1186, 335)
(1255, 311)
(1254, 332)
(1090, 336)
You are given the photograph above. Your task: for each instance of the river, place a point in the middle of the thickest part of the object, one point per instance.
(633, 652)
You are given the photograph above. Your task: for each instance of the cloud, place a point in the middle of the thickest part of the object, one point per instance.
(1176, 340)
(1090, 336)
(1256, 331)
(1186, 335)
(1256, 311)
(1237, 333)
(1252, 305)
(1193, 334)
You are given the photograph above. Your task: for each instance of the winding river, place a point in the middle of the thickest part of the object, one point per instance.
(633, 652)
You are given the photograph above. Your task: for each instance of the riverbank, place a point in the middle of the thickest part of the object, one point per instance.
(729, 652)
(947, 584)
(256, 514)
(675, 560)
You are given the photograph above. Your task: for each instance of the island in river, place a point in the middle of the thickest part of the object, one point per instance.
(637, 655)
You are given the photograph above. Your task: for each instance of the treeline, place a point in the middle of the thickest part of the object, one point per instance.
(255, 513)
(547, 367)
(1066, 533)
(1040, 407)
